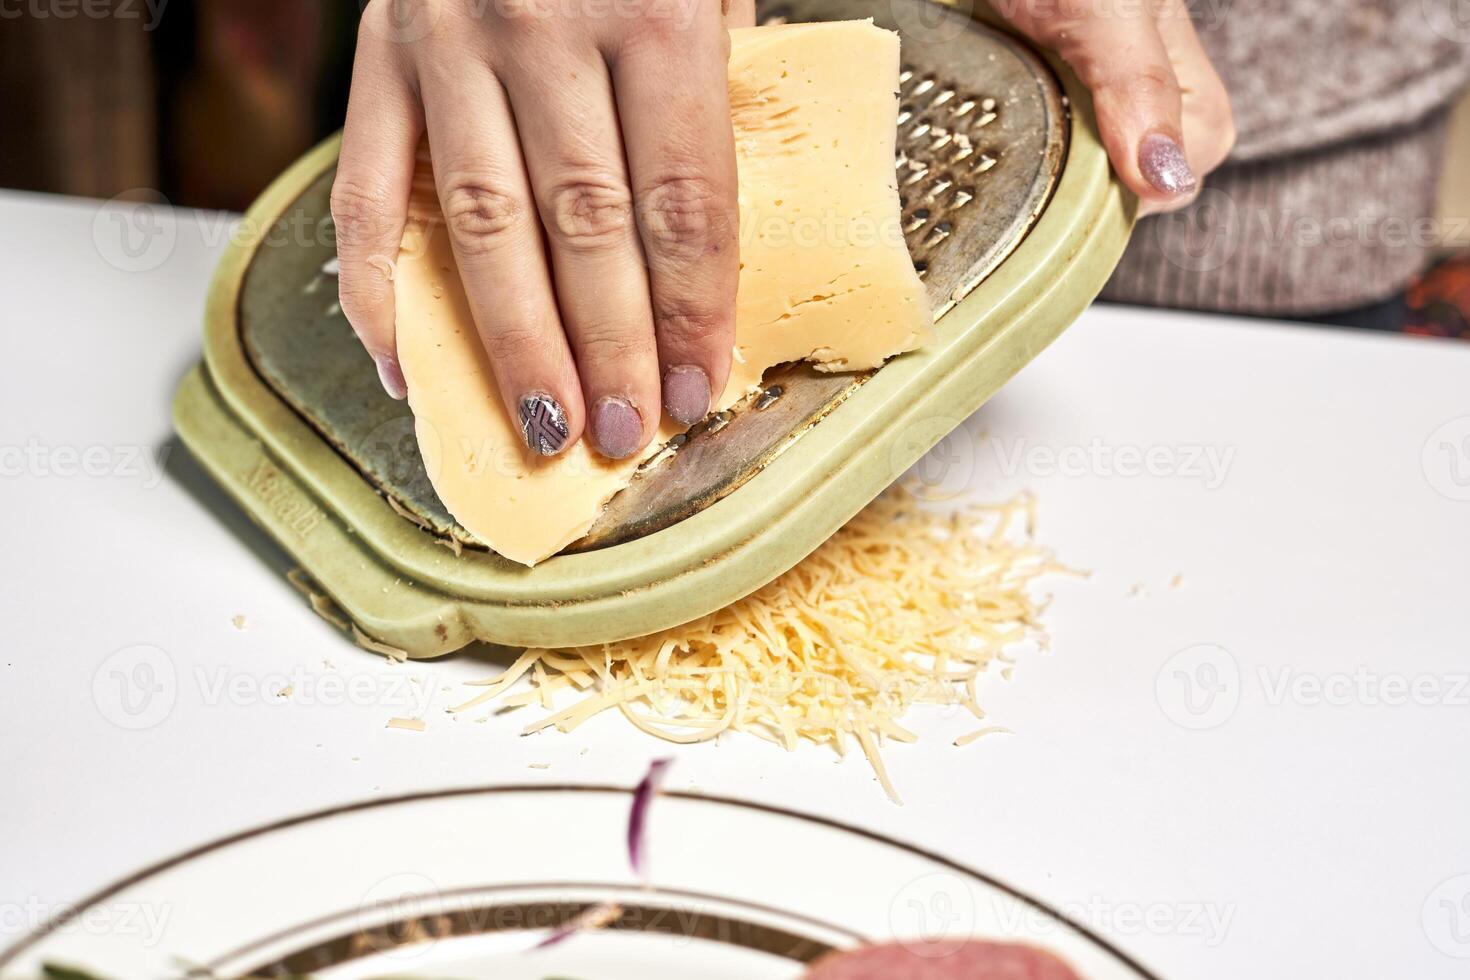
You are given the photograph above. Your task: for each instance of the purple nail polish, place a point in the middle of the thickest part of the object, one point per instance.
(686, 393)
(391, 375)
(543, 424)
(1163, 165)
(617, 427)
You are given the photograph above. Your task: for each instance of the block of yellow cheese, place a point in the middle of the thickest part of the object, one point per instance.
(825, 276)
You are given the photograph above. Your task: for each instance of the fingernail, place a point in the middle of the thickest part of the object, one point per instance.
(686, 393)
(617, 427)
(1163, 165)
(543, 424)
(391, 375)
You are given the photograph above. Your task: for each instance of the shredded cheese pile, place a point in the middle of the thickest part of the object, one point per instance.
(902, 606)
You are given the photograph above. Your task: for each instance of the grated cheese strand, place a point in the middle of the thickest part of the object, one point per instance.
(904, 605)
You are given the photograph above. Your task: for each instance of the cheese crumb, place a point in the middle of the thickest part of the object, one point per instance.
(902, 606)
(407, 724)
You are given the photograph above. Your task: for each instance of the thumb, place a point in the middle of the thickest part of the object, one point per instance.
(1137, 99)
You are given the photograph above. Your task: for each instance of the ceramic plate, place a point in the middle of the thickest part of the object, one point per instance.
(465, 884)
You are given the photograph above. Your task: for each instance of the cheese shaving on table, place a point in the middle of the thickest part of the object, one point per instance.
(904, 605)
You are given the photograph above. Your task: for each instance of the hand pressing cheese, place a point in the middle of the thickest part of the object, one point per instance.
(824, 276)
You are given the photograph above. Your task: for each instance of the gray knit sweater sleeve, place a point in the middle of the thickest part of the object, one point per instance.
(1327, 200)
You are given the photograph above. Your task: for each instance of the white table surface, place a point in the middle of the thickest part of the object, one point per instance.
(1311, 819)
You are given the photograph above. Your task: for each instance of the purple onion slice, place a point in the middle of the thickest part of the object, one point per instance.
(592, 917)
(643, 795)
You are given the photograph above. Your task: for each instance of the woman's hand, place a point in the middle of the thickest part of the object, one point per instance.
(1162, 111)
(586, 170)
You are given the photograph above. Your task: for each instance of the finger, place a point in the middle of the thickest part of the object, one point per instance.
(1208, 123)
(370, 199)
(492, 224)
(670, 82)
(1122, 60)
(580, 180)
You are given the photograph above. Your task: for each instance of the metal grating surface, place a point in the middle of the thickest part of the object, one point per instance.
(982, 129)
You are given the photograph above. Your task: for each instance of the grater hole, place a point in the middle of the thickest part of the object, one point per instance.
(937, 157)
(916, 221)
(938, 234)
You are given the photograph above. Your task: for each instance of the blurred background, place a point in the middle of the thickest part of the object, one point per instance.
(205, 101)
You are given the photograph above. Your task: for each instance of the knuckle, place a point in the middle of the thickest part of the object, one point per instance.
(614, 345)
(525, 16)
(360, 215)
(371, 25)
(665, 22)
(1059, 23)
(691, 325)
(478, 214)
(386, 24)
(1149, 83)
(1156, 81)
(510, 343)
(1070, 14)
(1120, 80)
(685, 215)
(360, 288)
(587, 213)
(660, 26)
(359, 306)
